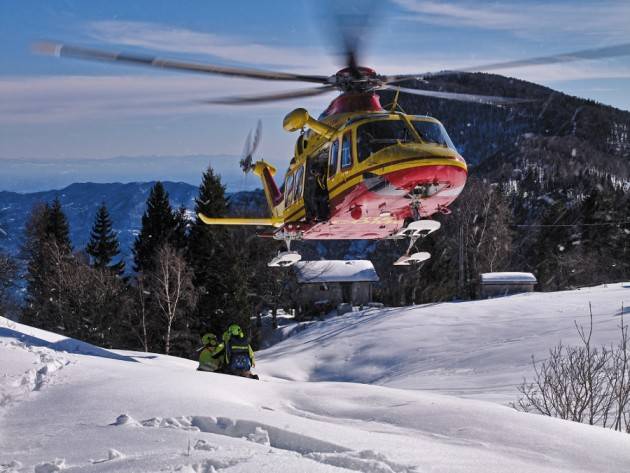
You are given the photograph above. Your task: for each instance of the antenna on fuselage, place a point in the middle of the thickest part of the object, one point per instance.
(395, 103)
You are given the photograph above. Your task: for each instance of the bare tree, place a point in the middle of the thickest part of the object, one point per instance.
(582, 383)
(140, 311)
(171, 286)
(86, 303)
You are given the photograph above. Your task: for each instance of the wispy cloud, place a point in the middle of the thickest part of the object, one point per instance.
(604, 19)
(160, 37)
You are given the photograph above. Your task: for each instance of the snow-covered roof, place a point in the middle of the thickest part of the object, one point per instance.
(335, 271)
(507, 278)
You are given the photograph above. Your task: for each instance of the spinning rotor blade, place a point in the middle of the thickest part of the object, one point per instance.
(77, 52)
(585, 54)
(274, 97)
(487, 99)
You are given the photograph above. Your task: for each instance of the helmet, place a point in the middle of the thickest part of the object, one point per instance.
(235, 330)
(209, 339)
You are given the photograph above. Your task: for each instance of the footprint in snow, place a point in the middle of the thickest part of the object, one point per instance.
(112, 454)
(57, 464)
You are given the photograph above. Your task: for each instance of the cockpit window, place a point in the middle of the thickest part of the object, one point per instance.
(431, 132)
(374, 136)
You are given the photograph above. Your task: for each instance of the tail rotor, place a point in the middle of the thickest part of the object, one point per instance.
(251, 145)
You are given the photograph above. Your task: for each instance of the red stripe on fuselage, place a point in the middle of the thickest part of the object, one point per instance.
(380, 211)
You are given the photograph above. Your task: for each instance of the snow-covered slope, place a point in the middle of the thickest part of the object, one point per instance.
(479, 349)
(68, 405)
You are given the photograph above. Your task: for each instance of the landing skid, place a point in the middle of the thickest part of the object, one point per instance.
(414, 231)
(418, 229)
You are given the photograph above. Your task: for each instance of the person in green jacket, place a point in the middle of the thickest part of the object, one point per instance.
(212, 355)
(239, 356)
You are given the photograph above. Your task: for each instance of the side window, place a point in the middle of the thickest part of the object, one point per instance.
(346, 151)
(289, 190)
(298, 183)
(334, 158)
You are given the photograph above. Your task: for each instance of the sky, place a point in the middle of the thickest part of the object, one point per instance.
(67, 111)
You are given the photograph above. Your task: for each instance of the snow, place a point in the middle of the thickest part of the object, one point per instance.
(414, 389)
(508, 277)
(335, 271)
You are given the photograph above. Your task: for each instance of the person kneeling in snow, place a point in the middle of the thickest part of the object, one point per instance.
(239, 356)
(212, 354)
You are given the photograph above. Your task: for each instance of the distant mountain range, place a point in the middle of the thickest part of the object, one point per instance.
(126, 204)
(34, 175)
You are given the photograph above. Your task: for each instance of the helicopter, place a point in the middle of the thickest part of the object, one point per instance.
(360, 170)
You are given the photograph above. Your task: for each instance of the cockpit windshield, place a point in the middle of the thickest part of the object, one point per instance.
(376, 135)
(432, 132)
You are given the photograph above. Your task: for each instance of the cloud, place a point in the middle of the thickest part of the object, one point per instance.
(160, 37)
(606, 19)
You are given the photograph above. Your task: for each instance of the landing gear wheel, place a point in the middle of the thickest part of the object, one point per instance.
(284, 259)
(414, 258)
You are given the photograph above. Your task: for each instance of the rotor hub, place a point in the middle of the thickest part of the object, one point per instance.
(356, 79)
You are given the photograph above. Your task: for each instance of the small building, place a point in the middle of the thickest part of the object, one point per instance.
(323, 285)
(504, 284)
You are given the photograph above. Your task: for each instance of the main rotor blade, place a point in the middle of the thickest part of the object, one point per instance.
(77, 52)
(487, 99)
(585, 54)
(275, 97)
(349, 25)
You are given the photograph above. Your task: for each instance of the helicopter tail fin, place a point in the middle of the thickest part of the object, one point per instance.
(274, 197)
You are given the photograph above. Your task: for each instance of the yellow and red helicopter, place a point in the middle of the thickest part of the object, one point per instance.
(359, 171)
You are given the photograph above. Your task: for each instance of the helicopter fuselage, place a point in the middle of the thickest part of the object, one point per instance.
(382, 169)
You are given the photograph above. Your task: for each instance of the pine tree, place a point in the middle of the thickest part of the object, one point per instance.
(46, 235)
(103, 245)
(179, 237)
(217, 263)
(158, 226)
(57, 227)
(8, 278)
(552, 252)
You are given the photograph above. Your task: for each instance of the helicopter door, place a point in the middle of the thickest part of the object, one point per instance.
(315, 186)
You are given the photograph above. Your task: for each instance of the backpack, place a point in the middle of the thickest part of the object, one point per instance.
(238, 354)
